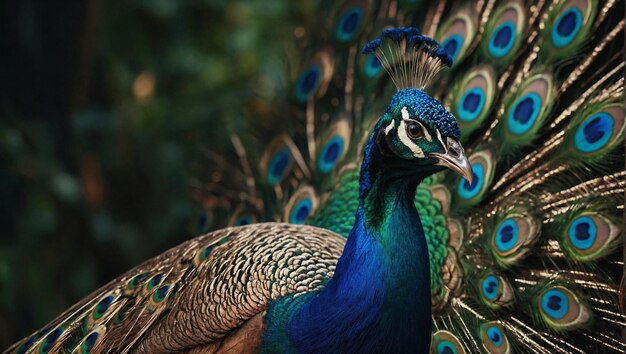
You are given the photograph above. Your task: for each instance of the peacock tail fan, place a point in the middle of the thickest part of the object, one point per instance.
(526, 257)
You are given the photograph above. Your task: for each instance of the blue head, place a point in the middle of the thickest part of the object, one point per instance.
(416, 134)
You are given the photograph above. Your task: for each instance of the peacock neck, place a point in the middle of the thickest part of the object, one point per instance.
(379, 297)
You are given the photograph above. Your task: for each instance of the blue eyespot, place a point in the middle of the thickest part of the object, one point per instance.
(103, 306)
(594, 132)
(349, 24)
(245, 219)
(583, 232)
(452, 45)
(160, 293)
(467, 190)
(308, 82)
(90, 341)
(331, 152)
(278, 166)
(301, 211)
(495, 335)
(156, 280)
(373, 66)
(507, 235)
(22, 349)
(471, 104)
(566, 27)
(49, 341)
(502, 39)
(555, 303)
(137, 279)
(490, 287)
(206, 252)
(524, 113)
(446, 347)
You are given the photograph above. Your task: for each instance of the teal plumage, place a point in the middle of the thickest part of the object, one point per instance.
(524, 258)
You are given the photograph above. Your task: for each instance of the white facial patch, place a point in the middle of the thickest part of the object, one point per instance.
(445, 147)
(404, 138)
(389, 127)
(405, 113)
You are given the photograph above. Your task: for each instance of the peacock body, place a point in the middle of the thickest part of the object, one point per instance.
(522, 256)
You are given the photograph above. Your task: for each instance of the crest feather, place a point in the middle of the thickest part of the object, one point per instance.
(411, 59)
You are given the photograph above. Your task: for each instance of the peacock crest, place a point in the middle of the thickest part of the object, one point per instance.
(411, 59)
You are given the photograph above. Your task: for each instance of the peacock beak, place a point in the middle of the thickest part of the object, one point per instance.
(454, 158)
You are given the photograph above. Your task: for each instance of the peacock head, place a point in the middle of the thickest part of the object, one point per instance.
(419, 135)
(416, 134)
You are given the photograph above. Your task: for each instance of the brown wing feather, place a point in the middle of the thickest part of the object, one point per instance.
(207, 289)
(243, 340)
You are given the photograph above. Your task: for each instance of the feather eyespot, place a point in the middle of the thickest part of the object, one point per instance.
(594, 132)
(445, 342)
(24, 348)
(135, 281)
(597, 131)
(308, 82)
(50, 340)
(314, 77)
(471, 104)
(301, 205)
(102, 307)
(452, 45)
(483, 164)
(509, 242)
(90, 342)
(561, 309)
(349, 24)
(457, 33)
(333, 146)
(493, 338)
(567, 26)
(495, 291)
(350, 19)
(160, 294)
(502, 39)
(156, 280)
(504, 33)
(589, 236)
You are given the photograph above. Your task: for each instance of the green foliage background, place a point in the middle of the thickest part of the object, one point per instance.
(105, 106)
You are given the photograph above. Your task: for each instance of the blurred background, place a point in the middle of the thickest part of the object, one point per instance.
(106, 108)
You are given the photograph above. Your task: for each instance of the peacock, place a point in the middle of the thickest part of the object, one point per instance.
(455, 185)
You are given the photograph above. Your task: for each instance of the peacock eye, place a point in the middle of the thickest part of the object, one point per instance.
(414, 131)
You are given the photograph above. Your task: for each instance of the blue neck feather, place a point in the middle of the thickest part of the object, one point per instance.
(379, 297)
